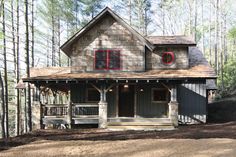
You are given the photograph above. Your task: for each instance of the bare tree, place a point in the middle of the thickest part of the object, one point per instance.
(32, 34)
(216, 36)
(3, 131)
(5, 71)
(28, 65)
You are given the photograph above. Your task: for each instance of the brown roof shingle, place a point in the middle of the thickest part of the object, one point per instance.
(171, 40)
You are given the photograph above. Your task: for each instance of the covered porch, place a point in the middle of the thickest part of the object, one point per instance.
(113, 104)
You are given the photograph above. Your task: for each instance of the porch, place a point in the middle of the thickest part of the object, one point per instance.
(113, 104)
(67, 115)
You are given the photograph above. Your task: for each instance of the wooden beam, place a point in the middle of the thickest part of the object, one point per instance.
(117, 100)
(98, 89)
(135, 101)
(166, 86)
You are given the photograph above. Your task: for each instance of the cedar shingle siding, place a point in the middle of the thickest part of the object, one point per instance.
(108, 34)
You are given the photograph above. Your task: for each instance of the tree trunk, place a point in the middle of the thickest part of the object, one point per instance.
(59, 40)
(195, 21)
(130, 12)
(18, 68)
(15, 67)
(216, 36)
(32, 34)
(53, 41)
(210, 33)
(203, 34)
(5, 72)
(28, 65)
(3, 131)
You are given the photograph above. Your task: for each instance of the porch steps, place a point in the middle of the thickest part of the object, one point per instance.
(141, 124)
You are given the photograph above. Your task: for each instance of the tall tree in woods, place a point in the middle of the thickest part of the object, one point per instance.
(142, 14)
(2, 100)
(195, 19)
(28, 64)
(91, 7)
(5, 71)
(17, 59)
(216, 35)
(15, 66)
(32, 33)
(125, 6)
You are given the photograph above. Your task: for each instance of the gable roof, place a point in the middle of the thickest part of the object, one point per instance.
(66, 47)
(172, 40)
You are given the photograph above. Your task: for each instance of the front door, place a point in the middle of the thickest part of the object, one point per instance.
(126, 101)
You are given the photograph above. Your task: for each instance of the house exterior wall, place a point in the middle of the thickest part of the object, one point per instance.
(108, 34)
(192, 103)
(154, 60)
(145, 108)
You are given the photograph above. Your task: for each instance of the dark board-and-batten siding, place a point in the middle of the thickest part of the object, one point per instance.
(144, 106)
(192, 103)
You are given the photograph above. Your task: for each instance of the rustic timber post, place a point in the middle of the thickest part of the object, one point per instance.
(41, 115)
(173, 106)
(69, 114)
(102, 121)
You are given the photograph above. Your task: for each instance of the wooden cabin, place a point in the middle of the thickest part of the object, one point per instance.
(119, 79)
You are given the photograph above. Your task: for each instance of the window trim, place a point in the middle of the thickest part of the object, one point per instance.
(168, 53)
(160, 89)
(108, 51)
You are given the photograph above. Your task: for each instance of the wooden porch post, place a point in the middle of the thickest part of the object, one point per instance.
(102, 121)
(173, 106)
(69, 114)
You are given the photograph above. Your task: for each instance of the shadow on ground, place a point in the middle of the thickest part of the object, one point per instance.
(212, 130)
(220, 112)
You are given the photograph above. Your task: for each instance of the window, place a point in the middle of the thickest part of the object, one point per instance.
(107, 60)
(93, 95)
(168, 58)
(161, 95)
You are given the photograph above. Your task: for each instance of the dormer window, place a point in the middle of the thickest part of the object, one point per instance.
(107, 60)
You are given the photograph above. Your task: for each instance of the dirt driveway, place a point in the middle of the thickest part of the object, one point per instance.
(196, 141)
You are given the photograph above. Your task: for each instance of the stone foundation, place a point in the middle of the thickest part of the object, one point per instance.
(173, 112)
(102, 122)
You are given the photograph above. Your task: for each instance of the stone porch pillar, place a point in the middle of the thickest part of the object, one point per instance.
(102, 121)
(173, 106)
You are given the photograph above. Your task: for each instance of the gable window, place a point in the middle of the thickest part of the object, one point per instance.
(107, 60)
(160, 95)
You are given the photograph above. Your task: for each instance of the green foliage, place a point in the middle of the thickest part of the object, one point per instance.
(232, 33)
(91, 7)
(229, 75)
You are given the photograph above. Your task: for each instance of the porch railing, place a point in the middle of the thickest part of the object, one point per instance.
(55, 110)
(78, 110)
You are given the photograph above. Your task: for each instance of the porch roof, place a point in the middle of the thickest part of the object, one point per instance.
(200, 71)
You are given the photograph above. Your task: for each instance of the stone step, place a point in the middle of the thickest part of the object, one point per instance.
(147, 127)
(127, 119)
(139, 124)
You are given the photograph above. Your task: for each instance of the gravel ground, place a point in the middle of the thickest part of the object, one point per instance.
(191, 141)
(133, 148)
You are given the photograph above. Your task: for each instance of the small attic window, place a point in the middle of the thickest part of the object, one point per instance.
(168, 58)
(107, 60)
